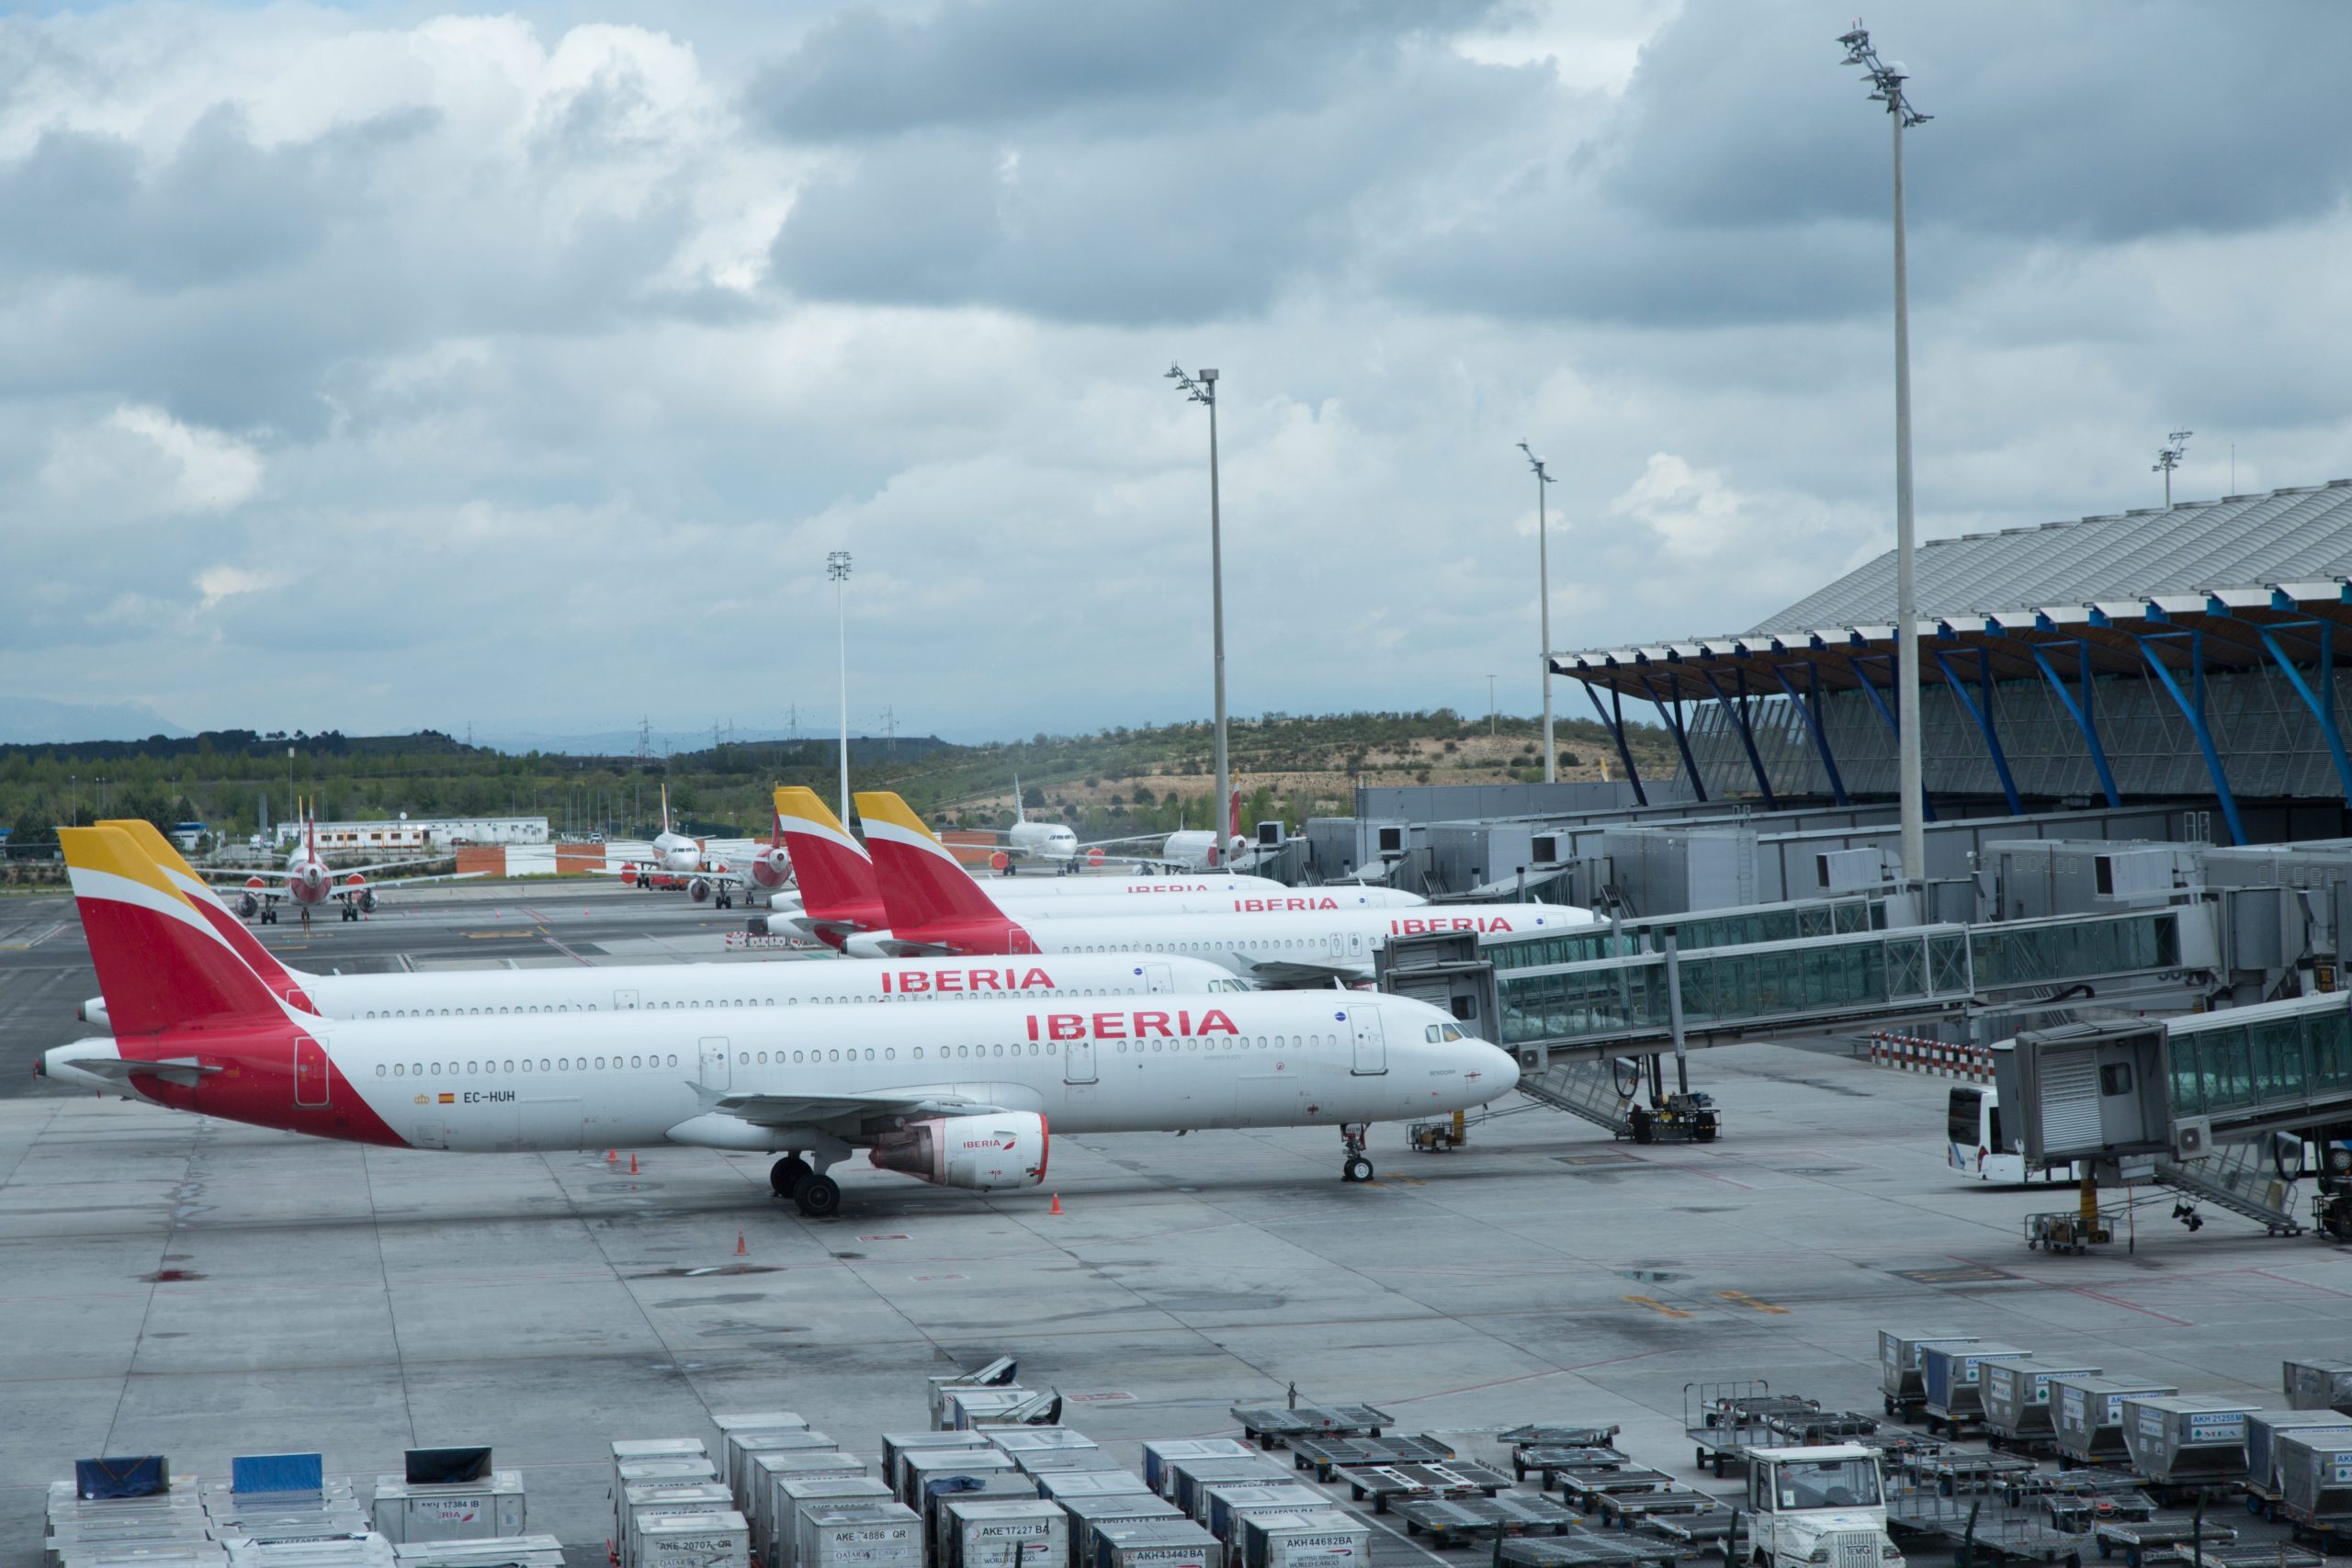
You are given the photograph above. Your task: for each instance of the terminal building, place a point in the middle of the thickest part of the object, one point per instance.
(436, 833)
(2137, 788)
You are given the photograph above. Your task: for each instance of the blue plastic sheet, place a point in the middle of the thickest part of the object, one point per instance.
(276, 1473)
(144, 1475)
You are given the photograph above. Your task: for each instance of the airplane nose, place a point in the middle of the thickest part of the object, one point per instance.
(1498, 1068)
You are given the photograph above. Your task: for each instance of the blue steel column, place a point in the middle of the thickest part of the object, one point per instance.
(2084, 716)
(2195, 713)
(1813, 725)
(1984, 717)
(1673, 718)
(1616, 727)
(1738, 717)
(2323, 707)
(1894, 725)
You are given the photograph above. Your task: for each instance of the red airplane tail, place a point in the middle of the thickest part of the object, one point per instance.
(836, 878)
(924, 887)
(231, 931)
(161, 965)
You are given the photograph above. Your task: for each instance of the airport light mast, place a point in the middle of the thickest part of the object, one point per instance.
(2168, 457)
(1543, 604)
(1201, 388)
(1886, 83)
(837, 567)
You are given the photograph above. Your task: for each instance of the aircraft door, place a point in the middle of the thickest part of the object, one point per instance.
(1337, 947)
(1017, 941)
(716, 1073)
(1372, 1047)
(1077, 1061)
(310, 1074)
(1155, 978)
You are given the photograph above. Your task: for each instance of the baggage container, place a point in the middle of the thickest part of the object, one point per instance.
(796, 1494)
(1066, 1485)
(896, 1445)
(732, 1421)
(1899, 1369)
(996, 1486)
(450, 1510)
(1193, 1477)
(2318, 1385)
(2189, 1441)
(970, 1407)
(2017, 1396)
(922, 1466)
(1032, 1439)
(694, 1541)
(1323, 1538)
(190, 1554)
(2087, 1414)
(1089, 1514)
(1953, 1376)
(751, 1447)
(2315, 1478)
(768, 1469)
(1003, 1532)
(639, 1503)
(1229, 1505)
(1065, 1461)
(1003, 1372)
(365, 1550)
(1158, 1456)
(515, 1552)
(883, 1534)
(2265, 1427)
(1157, 1543)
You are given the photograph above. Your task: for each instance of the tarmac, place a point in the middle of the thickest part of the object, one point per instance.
(199, 1288)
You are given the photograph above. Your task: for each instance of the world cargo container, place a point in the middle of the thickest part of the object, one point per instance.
(1003, 1532)
(694, 1541)
(1899, 1371)
(1307, 1538)
(448, 1510)
(1160, 1455)
(2186, 1441)
(1954, 1377)
(2087, 1414)
(2016, 1398)
(884, 1534)
(796, 1494)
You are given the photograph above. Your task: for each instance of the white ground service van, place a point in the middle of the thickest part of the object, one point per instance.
(1818, 1508)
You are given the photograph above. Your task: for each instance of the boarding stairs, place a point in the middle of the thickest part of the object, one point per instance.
(1600, 1092)
(2242, 1178)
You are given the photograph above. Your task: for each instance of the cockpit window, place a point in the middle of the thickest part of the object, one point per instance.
(1431, 1035)
(1450, 1033)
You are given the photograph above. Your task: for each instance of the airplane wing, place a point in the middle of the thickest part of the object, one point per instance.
(801, 1110)
(419, 881)
(381, 865)
(1293, 975)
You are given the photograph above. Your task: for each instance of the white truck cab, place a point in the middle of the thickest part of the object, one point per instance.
(1818, 1508)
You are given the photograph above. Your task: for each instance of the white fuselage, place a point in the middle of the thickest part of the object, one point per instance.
(675, 851)
(607, 1080)
(1048, 842)
(1196, 896)
(1343, 939)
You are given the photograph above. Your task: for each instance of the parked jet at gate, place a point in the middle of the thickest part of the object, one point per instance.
(935, 908)
(653, 988)
(839, 896)
(960, 1096)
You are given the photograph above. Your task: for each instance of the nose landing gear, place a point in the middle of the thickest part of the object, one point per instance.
(1355, 1167)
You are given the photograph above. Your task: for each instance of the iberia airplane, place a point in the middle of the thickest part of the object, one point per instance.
(634, 987)
(679, 860)
(310, 882)
(839, 895)
(963, 1096)
(934, 907)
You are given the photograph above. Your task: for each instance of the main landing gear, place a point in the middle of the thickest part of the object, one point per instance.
(1356, 1167)
(818, 1195)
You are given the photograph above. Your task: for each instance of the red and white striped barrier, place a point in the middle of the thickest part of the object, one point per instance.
(1940, 1058)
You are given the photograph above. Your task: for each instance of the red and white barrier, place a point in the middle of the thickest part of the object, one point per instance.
(1940, 1058)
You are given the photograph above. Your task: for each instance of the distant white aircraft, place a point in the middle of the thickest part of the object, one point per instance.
(679, 860)
(309, 883)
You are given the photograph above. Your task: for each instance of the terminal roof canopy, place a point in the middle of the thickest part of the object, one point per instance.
(2117, 586)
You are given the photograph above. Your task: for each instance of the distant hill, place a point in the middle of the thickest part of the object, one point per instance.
(37, 720)
(687, 743)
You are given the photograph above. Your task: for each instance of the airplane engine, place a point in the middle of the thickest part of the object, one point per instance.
(247, 906)
(698, 890)
(983, 1153)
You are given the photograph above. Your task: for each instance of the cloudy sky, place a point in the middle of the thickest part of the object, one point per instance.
(375, 366)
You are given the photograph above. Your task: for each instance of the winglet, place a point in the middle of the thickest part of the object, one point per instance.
(160, 964)
(922, 884)
(836, 878)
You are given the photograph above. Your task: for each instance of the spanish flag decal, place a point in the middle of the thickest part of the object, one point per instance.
(449, 1099)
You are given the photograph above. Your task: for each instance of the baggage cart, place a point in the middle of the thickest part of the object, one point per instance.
(1710, 1530)
(1956, 1472)
(1003, 1532)
(1229, 1505)
(2252, 1555)
(2076, 1500)
(796, 1494)
(1269, 1427)
(2181, 1445)
(2086, 1414)
(2142, 1541)
(1328, 1456)
(694, 1541)
(1157, 1543)
(1159, 1453)
(1090, 1515)
(1627, 1510)
(2016, 1400)
(1586, 1549)
(1544, 1463)
(1381, 1485)
(863, 1534)
(2318, 1385)
(450, 1510)
(1899, 1373)
(1953, 1376)
(511, 1551)
(896, 1446)
(1586, 1489)
(733, 1421)
(1560, 1435)
(1318, 1537)
(641, 1501)
(1994, 1533)
(1455, 1521)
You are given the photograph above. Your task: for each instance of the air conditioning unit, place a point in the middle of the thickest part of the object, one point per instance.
(2192, 1138)
(1270, 835)
(1544, 848)
(1392, 842)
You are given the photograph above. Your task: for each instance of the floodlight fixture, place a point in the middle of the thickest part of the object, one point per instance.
(1200, 386)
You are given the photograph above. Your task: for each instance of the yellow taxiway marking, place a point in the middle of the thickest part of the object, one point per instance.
(1741, 1298)
(1658, 1306)
(494, 936)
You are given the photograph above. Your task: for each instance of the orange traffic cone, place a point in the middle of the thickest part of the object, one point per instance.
(612, 1157)
(632, 1164)
(1058, 1204)
(740, 1250)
